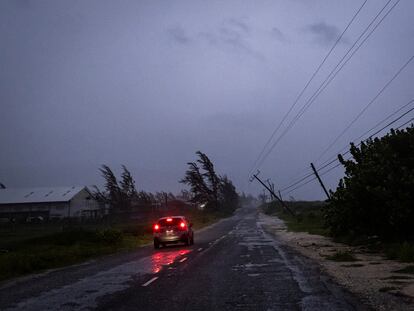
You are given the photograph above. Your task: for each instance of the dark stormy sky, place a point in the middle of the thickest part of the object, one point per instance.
(147, 83)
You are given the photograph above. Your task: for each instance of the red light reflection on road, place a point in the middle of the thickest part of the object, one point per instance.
(160, 259)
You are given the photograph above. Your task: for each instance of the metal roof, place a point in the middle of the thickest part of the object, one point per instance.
(38, 195)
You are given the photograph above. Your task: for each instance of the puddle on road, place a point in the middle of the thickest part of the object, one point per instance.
(82, 294)
(161, 259)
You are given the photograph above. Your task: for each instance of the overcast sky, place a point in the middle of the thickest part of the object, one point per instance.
(148, 83)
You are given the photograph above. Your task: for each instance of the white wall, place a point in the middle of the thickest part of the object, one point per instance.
(82, 204)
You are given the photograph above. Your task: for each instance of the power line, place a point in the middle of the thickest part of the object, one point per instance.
(367, 106)
(300, 186)
(336, 159)
(375, 126)
(335, 71)
(297, 182)
(307, 84)
(380, 130)
(332, 75)
(321, 174)
(301, 176)
(326, 172)
(404, 124)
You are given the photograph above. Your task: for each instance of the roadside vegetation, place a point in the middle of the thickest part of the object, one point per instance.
(214, 192)
(373, 203)
(28, 248)
(375, 198)
(127, 222)
(309, 216)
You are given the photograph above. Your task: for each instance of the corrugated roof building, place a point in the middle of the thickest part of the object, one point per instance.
(48, 203)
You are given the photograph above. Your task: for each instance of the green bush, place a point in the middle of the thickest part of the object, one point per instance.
(375, 198)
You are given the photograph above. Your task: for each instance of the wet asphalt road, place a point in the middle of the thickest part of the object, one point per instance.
(234, 265)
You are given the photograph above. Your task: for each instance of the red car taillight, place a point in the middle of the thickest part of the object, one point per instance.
(183, 226)
(156, 227)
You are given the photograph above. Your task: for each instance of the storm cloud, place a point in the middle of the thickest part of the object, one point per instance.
(148, 83)
(323, 33)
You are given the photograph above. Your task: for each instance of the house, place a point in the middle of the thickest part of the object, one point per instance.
(48, 203)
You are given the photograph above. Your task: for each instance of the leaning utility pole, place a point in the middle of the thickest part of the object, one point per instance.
(320, 181)
(272, 186)
(272, 193)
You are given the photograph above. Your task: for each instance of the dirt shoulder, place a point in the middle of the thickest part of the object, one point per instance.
(371, 277)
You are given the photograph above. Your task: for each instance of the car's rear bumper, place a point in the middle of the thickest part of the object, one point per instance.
(171, 238)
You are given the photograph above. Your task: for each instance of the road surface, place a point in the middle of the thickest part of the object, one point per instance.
(234, 265)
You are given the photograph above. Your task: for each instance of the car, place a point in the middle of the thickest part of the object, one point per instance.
(171, 230)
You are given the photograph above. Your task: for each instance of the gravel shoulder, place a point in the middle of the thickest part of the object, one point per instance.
(372, 277)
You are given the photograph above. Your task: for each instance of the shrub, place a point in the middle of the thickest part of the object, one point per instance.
(375, 196)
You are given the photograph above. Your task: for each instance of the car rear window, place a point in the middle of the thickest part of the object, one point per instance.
(173, 222)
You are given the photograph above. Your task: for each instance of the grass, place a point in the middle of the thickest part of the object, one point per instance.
(53, 250)
(32, 248)
(308, 217)
(342, 256)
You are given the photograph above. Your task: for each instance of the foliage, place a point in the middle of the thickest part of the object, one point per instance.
(27, 248)
(228, 197)
(212, 181)
(127, 185)
(113, 191)
(119, 195)
(309, 216)
(377, 193)
(194, 178)
(146, 198)
(207, 187)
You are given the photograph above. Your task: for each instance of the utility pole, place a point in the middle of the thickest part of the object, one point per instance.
(272, 193)
(320, 181)
(271, 186)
